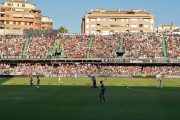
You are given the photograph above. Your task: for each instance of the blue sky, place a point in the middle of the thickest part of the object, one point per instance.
(69, 13)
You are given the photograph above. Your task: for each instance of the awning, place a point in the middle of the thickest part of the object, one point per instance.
(29, 16)
(17, 15)
(19, 10)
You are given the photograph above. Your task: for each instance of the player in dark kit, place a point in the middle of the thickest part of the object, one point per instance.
(94, 83)
(31, 80)
(102, 92)
(38, 82)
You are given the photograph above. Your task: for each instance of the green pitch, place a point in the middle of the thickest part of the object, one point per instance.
(75, 100)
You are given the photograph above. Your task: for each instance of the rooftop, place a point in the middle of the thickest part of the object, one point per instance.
(104, 11)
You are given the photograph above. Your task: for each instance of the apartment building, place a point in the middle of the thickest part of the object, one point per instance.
(21, 14)
(109, 22)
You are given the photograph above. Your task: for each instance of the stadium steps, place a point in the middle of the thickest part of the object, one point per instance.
(90, 45)
(63, 54)
(54, 48)
(58, 43)
(25, 48)
(164, 48)
(9, 73)
(121, 47)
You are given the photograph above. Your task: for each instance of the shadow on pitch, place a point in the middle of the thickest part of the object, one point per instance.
(4, 79)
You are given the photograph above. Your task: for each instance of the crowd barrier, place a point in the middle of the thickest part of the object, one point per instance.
(104, 60)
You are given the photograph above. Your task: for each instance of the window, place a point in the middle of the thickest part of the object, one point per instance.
(8, 4)
(87, 20)
(87, 32)
(93, 25)
(141, 30)
(7, 22)
(146, 20)
(14, 23)
(30, 23)
(116, 19)
(115, 25)
(146, 26)
(152, 27)
(152, 21)
(105, 19)
(127, 20)
(7, 15)
(141, 20)
(17, 5)
(37, 18)
(25, 23)
(98, 19)
(87, 26)
(19, 23)
(134, 20)
(127, 25)
(140, 25)
(134, 26)
(23, 5)
(111, 19)
(37, 24)
(122, 20)
(93, 19)
(98, 25)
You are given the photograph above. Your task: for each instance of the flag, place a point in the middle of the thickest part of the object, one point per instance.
(171, 25)
(162, 25)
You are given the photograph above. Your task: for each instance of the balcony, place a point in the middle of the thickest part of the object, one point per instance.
(2, 25)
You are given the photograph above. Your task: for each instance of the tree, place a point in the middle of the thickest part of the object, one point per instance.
(63, 30)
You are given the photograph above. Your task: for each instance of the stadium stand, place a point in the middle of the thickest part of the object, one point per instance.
(13, 47)
(74, 47)
(38, 69)
(40, 46)
(148, 47)
(92, 47)
(173, 47)
(105, 47)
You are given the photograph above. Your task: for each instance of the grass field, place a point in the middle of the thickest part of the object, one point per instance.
(75, 100)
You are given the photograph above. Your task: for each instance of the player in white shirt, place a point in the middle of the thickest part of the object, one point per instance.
(75, 76)
(59, 80)
(160, 81)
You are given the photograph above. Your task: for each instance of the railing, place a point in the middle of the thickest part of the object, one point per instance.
(103, 60)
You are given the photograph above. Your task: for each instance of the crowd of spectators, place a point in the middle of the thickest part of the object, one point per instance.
(39, 69)
(40, 46)
(75, 47)
(4, 69)
(105, 46)
(173, 46)
(167, 70)
(136, 46)
(143, 47)
(12, 46)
